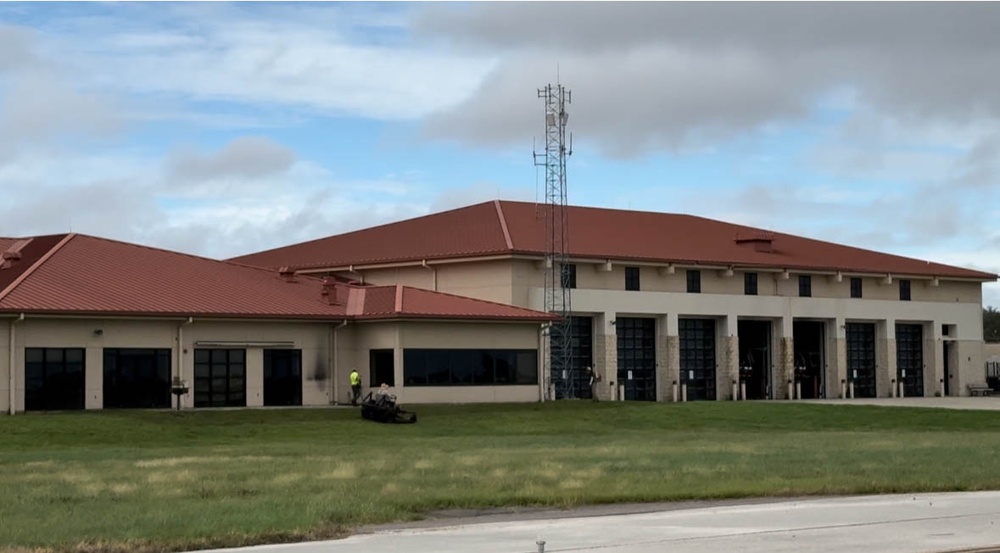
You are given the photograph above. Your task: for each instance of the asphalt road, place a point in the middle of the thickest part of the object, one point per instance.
(907, 523)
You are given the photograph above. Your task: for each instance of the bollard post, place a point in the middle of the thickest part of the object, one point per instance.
(852, 389)
(541, 546)
(743, 391)
(892, 388)
(736, 394)
(798, 390)
(791, 392)
(621, 392)
(902, 390)
(684, 392)
(674, 391)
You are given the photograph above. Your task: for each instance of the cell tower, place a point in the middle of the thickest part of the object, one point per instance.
(557, 276)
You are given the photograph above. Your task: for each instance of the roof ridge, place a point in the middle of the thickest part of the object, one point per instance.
(503, 225)
(34, 266)
(190, 255)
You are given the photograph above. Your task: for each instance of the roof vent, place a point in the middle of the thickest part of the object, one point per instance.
(12, 255)
(287, 273)
(762, 241)
(330, 291)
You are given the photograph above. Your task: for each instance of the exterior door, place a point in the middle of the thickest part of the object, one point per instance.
(53, 379)
(220, 378)
(861, 358)
(136, 378)
(637, 357)
(697, 353)
(910, 358)
(282, 377)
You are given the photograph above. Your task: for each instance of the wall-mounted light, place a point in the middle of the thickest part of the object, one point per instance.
(98, 332)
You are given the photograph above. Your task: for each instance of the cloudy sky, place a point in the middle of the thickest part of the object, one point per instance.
(222, 129)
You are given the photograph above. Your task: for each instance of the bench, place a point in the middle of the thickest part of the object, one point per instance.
(980, 390)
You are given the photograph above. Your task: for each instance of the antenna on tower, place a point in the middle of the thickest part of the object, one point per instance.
(565, 380)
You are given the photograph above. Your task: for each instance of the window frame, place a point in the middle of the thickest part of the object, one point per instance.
(860, 291)
(567, 275)
(632, 279)
(434, 367)
(905, 290)
(694, 281)
(750, 284)
(805, 286)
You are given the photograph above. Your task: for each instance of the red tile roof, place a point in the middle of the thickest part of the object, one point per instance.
(408, 302)
(504, 227)
(79, 274)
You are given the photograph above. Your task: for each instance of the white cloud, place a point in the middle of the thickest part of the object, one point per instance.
(301, 57)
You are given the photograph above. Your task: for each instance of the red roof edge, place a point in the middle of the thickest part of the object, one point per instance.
(41, 260)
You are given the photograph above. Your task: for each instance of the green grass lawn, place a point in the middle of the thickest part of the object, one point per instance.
(159, 481)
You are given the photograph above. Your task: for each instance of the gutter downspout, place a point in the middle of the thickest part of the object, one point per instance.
(180, 359)
(11, 368)
(434, 271)
(333, 357)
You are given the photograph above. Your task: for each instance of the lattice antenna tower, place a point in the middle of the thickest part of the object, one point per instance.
(557, 286)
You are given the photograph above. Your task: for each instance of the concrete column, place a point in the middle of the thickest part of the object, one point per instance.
(255, 377)
(885, 357)
(664, 390)
(786, 360)
(933, 360)
(730, 366)
(93, 378)
(606, 356)
(673, 353)
(837, 354)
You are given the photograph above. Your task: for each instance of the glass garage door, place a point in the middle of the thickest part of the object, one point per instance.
(637, 357)
(697, 352)
(910, 358)
(861, 358)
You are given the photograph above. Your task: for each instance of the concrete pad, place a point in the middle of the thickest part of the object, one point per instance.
(910, 523)
(968, 403)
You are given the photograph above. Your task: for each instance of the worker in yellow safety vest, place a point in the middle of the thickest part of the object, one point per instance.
(355, 386)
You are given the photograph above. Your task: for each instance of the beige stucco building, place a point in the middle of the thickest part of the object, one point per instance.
(668, 307)
(88, 323)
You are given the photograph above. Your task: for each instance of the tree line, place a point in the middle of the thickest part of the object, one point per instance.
(991, 324)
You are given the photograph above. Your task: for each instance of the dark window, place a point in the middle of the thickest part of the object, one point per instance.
(469, 367)
(53, 379)
(750, 284)
(856, 287)
(631, 278)
(381, 367)
(569, 276)
(136, 378)
(282, 377)
(904, 290)
(220, 378)
(694, 281)
(805, 286)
